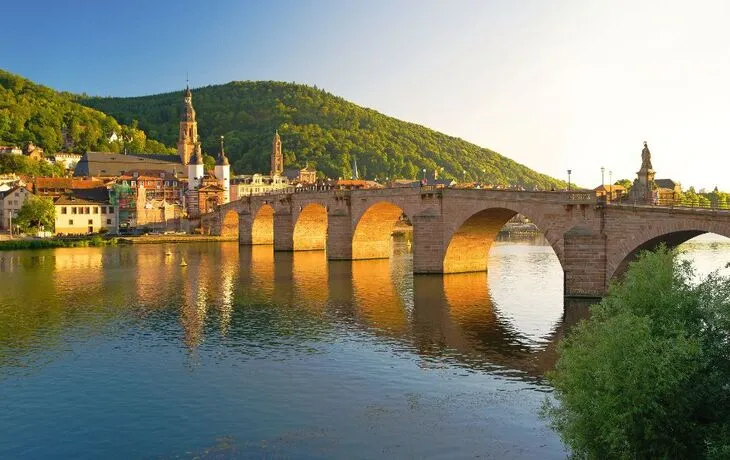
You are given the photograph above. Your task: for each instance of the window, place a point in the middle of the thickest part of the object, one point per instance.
(87, 210)
(96, 209)
(70, 222)
(103, 209)
(63, 210)
(108, 221)
(73, 209)
(111, 209)
(91, 222)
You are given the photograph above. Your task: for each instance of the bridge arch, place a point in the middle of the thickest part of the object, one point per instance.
(229, 225)
(310, 229)
(262, 227)
(668, 233)
(373, 230)
(469, 244)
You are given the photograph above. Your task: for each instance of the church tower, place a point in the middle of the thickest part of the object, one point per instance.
(223, 173)
(196, 169)
(277, 159)
(188, 135)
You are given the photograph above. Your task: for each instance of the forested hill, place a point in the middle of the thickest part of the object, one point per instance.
(54, 121)
(316, 128)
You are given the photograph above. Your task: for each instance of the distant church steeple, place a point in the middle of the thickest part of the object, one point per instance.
(277, 159)
(188, 135)
(222, 159)
(223, 173)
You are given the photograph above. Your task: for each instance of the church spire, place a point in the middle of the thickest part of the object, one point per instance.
(222, 159)
(277, 158)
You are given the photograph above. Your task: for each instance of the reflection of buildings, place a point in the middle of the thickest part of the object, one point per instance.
(78, 269)
(209, 282)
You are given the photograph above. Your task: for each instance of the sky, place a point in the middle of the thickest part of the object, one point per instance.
(554, 85)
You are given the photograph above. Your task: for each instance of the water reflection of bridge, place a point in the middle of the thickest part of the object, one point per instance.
(225, 288)
(452, 317)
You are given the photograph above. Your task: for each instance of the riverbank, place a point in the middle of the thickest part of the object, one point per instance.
(32, 243)
(157, 239)
(96, 240)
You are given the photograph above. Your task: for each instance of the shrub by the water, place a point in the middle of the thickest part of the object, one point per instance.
(96, 240)
(648, 375)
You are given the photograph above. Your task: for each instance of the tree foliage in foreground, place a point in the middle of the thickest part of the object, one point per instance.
(318, 129)
(36, 212)
(648, 376)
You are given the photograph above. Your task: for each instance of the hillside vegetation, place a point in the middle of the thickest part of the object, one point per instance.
(56, 122)
(317, 128)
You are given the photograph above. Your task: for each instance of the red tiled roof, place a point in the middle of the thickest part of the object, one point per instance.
(67, 182)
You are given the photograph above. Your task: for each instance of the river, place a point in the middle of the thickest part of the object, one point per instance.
(121, 352)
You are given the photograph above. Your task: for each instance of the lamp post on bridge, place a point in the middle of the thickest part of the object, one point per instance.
(569, 171)
(610, 184)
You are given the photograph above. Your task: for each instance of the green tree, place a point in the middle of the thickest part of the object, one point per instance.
(625, 183)
(37, 212)
(27, 166)
(209, 162)
(647, 375)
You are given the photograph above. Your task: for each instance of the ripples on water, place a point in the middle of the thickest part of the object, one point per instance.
(120, 352)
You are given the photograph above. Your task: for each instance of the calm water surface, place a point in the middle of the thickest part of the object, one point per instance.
(122, 353)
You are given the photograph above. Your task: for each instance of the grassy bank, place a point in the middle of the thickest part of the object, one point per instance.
(11, 245)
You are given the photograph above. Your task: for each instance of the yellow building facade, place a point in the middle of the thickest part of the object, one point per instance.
(77, 216)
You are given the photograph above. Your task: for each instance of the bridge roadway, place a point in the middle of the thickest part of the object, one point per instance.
(453, 229)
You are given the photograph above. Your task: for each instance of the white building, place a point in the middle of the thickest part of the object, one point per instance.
(9, 150)
(10, 203)
(68, 160)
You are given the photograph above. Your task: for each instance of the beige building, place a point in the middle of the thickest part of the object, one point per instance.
(257, 184)
(68, 160)
(10, 203)
(78, 216)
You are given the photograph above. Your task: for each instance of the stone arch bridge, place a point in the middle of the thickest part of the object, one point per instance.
(453, 229)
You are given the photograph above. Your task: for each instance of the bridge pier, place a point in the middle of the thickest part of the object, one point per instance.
(283, 231)
(584, 263)
(245, 226)
(428, 243)
(339, 235)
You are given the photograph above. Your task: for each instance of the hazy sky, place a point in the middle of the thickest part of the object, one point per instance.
(555, 85)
